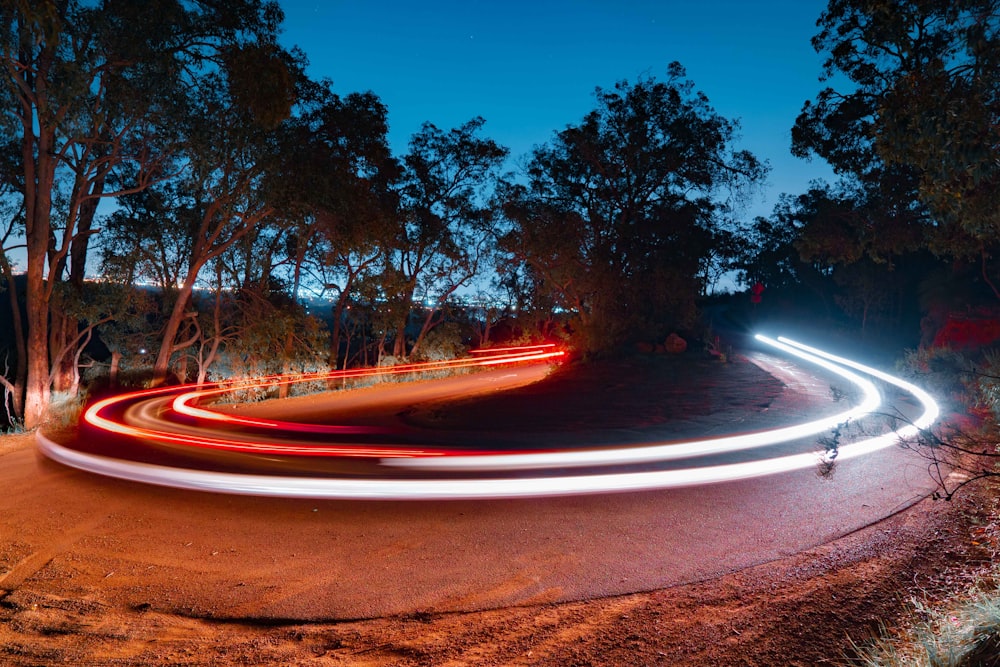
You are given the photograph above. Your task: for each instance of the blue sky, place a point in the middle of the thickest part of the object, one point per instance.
(530, 68)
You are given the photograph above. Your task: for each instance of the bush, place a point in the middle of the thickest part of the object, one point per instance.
(947, 373)
(442, 342)
(987, 380)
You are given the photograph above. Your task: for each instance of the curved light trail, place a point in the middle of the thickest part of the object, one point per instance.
(96, 415)
(668, 451)
(454, 482)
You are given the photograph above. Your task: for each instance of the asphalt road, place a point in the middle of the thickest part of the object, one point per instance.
(72, 534)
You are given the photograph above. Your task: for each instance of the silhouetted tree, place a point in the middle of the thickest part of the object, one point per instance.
(446, 220)
(920, 114)
(356, 221)
(622, 212)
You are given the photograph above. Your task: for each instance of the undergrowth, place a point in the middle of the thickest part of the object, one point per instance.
(962, 630)
(965, 636)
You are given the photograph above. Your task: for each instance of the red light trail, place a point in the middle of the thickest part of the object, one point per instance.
(97, 414)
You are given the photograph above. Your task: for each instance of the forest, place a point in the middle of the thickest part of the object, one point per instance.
(180, 202)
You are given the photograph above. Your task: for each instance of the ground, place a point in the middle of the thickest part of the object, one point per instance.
(802, 610)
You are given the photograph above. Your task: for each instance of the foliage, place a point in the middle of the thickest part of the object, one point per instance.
(987, 379)
(920, 113)
(345, 237)
(102, 97)
(965, 443)
(943, 371)
(260, 322)
(968, 379)
(621, 212)
(446, 222)
(965, 635)
(847, 247)
(443, 342)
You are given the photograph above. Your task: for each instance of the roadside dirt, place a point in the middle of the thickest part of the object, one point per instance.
(802, 610)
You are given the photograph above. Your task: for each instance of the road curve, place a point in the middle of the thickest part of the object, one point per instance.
(70, 533)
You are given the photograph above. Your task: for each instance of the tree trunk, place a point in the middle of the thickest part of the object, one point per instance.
(286, 368)
(38, 226)
(338, 314)
(167, 348)
(205, 362)
(38, 158)
(37, 394)
(484, 336)
(428, 324)
(65, 329)
(399, 345)
(61, 334)
(116, 360)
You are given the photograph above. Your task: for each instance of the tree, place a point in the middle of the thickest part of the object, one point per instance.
(237, 163)
(11, 220)
(622, 213)
(846, 244)
(446, 220)
(258, 203)
(91, 87)
(354, 222)
(923, 111)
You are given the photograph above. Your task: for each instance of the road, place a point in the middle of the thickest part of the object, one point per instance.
(69, 533)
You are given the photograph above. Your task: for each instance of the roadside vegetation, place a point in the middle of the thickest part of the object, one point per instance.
(965, 632)
(962, 628)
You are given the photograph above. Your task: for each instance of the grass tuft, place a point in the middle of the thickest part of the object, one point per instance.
(967, 636)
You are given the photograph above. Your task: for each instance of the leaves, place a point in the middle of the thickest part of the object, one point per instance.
(925, 99)
(619, 217)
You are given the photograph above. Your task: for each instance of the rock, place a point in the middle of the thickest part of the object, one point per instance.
(675, 344)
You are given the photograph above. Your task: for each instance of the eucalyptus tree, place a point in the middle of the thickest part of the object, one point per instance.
(95, 88)
(918, 103)
(447, 221)
(13, 372)
(237, 164)
(353, 216)
(621, 212)
(13, 360)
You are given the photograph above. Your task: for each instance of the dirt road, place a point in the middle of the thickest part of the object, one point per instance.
(125, 571)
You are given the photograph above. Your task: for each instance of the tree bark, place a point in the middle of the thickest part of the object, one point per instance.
(65, 328)
(38, 198)
(167, 347)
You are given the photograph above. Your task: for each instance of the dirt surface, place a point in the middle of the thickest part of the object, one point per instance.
(800, 610)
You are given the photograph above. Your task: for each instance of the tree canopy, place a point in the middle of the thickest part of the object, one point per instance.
(620, 211)
(923, 106)
(239, 184)
(99, 94)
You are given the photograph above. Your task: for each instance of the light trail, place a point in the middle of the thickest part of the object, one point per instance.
(930, 415)
(516, 348)
(183, 403)
(668, 451)
(551, 483)
(96, 414)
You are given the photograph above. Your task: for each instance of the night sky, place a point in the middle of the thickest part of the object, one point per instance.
(530, 67)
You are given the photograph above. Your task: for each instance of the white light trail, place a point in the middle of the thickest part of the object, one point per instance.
(668, 451)
(547, 485)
